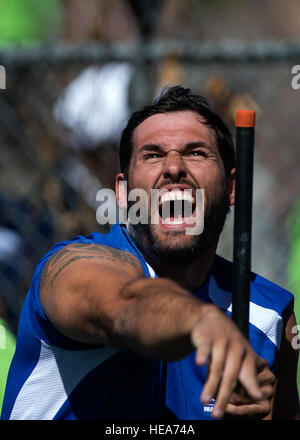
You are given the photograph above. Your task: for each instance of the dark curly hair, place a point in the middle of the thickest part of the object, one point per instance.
(172, 99)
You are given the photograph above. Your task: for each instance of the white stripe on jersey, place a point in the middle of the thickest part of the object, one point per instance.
(56, 374)
(151, 271)
(266, 320)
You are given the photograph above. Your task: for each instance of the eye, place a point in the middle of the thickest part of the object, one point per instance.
(152, 156)
(197, 153)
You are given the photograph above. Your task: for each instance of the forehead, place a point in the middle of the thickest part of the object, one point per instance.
(177, 128)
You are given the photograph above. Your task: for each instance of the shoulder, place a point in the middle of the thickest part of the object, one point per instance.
(110, 249)
(113, 245)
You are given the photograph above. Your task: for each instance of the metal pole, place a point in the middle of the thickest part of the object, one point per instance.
(245, 125)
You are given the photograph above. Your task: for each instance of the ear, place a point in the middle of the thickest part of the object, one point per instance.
(232, 187)
(121, 191)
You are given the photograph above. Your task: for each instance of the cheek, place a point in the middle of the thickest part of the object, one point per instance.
(141, 176)
(213, 186)
(205, 175)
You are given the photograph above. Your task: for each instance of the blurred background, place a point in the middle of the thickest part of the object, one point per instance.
(74, 71)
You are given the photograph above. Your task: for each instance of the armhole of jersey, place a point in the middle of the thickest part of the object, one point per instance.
(131, 247)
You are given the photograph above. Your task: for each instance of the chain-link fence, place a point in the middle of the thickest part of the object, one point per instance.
(59, 142)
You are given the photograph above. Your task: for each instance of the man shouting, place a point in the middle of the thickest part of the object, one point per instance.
(135, 324)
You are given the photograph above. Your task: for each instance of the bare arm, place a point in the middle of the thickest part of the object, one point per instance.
(97, 294)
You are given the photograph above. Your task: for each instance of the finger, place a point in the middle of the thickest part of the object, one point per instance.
(215, 372)
(229, 380)
(248, 377)
(261, 363)
(241, 398)
(203, 355)
(203, 348)
(268, 391)
(252, 411)
(266, 377)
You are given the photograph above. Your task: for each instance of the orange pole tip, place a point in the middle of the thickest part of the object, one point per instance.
(245, 118)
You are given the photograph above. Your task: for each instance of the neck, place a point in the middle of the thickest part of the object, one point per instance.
(190, 272)
(191, 275)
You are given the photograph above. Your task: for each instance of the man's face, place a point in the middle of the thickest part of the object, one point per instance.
(174, 152)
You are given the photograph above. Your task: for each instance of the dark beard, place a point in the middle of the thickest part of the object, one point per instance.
(214, 220)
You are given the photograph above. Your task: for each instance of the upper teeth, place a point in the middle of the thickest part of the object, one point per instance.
(185, 195)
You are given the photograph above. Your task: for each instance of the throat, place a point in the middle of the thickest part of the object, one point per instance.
(188, 265)
(190, 275)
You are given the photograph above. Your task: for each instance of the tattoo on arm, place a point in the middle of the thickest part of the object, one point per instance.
(81, 251)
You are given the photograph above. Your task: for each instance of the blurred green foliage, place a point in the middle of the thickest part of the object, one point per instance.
(28, 21)
(293, 267)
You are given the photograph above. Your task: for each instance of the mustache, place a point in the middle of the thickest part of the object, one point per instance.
(177, 182)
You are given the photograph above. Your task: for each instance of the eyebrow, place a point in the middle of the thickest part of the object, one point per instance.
(186, 147)
(150, 147)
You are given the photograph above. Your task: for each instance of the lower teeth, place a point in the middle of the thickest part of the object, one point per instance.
(173, 221)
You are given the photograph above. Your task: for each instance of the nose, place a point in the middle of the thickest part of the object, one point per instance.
(173, 166)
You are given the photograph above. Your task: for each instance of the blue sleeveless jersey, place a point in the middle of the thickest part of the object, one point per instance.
(54, 377)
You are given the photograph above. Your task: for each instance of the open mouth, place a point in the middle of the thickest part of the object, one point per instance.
(176, 206)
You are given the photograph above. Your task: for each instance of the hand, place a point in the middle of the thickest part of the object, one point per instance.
(231, 359)
(241, 405)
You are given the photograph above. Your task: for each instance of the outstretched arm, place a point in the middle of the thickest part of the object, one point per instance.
(97, 294)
